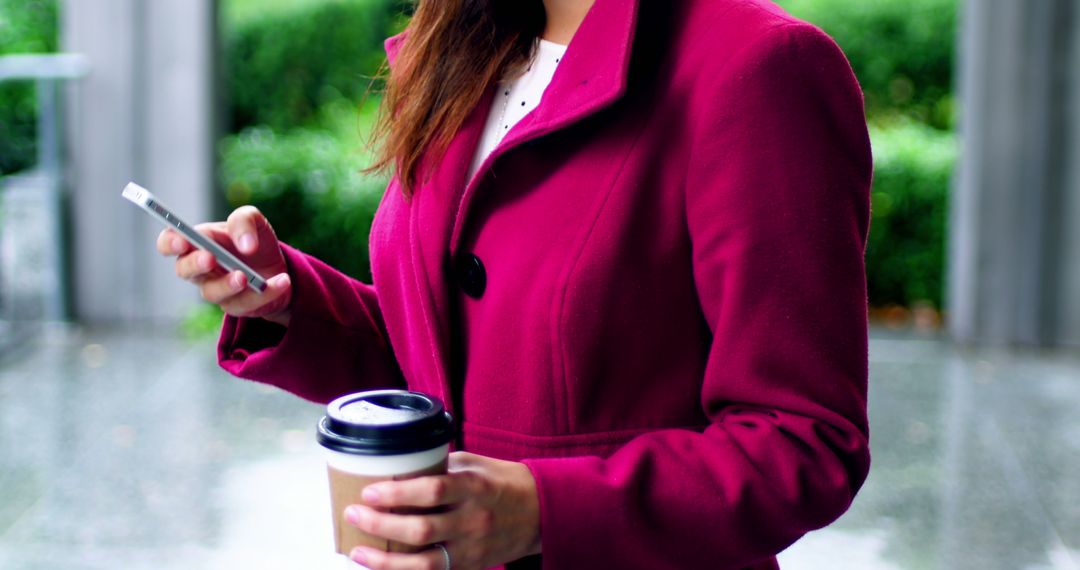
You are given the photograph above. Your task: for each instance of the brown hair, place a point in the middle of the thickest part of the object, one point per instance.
(454, 51)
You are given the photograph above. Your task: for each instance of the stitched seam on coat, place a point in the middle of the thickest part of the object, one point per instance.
(715, 88)
(425, 292)
(383, 332)
(572, 268)
(495, 434)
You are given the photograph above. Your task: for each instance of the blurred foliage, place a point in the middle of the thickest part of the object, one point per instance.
(235, 13)
(26, 26)
(297, 73)
(902, 52)
(202, 322)
(308, 183)
(905, 256)
(283, 66)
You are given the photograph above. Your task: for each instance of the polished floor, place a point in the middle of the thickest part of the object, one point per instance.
(131, 450)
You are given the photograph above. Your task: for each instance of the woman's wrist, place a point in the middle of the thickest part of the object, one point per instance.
(529, 504)
(489, 515)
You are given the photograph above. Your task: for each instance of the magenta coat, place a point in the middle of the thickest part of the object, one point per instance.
(652, 293)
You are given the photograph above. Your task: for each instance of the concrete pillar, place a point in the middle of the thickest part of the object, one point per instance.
(1068, 294)
(1013, 256)
(146, 114)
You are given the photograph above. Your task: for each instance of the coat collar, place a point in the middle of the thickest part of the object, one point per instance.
(592, 75)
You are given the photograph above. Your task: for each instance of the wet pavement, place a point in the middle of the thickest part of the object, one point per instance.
(130, 449)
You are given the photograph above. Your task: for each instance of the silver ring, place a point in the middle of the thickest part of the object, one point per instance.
(445, 554)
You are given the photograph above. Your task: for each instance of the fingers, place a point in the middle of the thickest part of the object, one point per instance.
(196, 266)
(462, 460)
(430, 491)
(243, 226)
(492, 516)
(416, 530)
(220, 289)
(240, 235)
(430, 559)
(170, 243)
(230, 290)
(466, 519)
(248, 303)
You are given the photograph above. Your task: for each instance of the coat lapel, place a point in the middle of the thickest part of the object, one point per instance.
(431, 218)
(591, 76)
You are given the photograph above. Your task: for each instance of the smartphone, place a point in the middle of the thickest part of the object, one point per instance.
(142, 198)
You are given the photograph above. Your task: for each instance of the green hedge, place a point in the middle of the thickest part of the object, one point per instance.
(902, 52)
(905, 256)
(235, 13)
(309, 185)
(26, 26)
(281, 68)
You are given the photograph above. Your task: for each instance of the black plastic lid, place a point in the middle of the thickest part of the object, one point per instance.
(385, 422)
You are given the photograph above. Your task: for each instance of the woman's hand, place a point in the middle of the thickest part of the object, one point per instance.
(249, 236)
(492, 516)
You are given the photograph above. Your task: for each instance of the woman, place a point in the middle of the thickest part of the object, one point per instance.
(646, 305)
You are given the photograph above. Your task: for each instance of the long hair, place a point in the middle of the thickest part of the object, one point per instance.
(454, 50)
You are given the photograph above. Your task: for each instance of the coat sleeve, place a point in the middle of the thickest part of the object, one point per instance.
(336, 341)
(777, 201)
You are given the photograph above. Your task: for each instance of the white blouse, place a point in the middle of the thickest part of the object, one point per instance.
(517, 98)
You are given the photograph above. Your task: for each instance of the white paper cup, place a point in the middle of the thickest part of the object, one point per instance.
(377, 436)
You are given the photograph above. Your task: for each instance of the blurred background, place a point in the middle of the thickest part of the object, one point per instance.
(123, 446)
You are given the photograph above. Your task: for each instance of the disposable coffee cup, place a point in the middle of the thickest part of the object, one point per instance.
(378, 436)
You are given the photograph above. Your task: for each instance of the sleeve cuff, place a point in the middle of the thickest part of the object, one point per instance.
(242, 336)
(570, 515)
(311, 357)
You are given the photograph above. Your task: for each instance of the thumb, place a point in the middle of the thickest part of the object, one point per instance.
(243, 226)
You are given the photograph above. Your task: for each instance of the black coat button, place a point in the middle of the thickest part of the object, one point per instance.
(471, 275)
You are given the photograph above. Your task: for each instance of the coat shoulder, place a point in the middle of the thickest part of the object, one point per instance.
(712, 33)
(734, 19)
